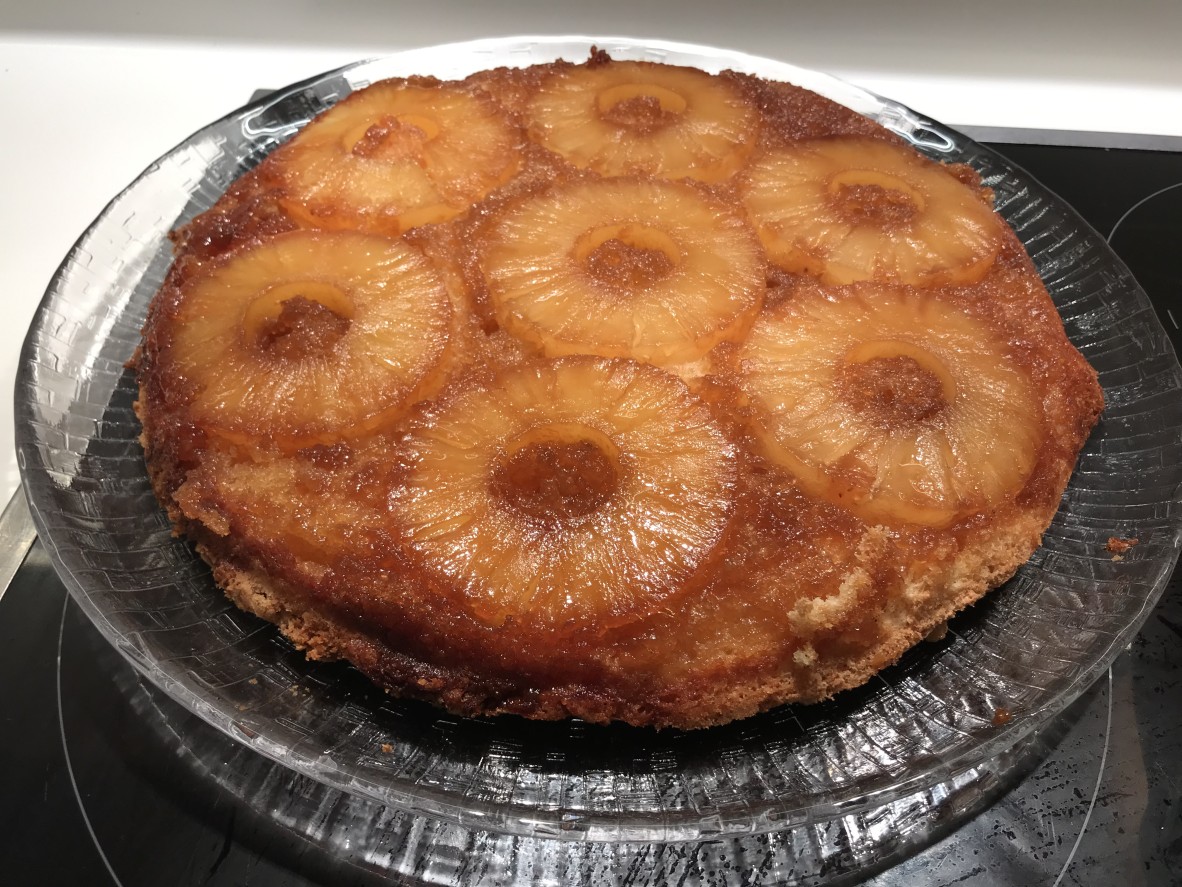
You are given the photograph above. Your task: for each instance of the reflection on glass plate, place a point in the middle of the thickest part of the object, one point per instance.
(347, 839)
(1028, 649)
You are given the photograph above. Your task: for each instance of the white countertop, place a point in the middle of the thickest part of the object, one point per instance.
(90, 94)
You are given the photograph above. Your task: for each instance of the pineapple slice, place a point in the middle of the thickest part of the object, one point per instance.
(309, 336)
(850, 209)
(579, 493)
(652, 270)
(323, 505)
(397, 155)
(895, 405)
(643, 118)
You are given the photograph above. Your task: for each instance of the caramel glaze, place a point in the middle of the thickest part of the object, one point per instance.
(619, 265)
(875, 204)
(303, 326)
(892, 391)
(801, 599)
(553, 482)
(641, 114)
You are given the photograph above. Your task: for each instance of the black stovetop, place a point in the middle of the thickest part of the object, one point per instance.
(95, 794)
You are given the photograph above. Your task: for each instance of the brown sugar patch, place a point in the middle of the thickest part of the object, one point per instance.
(1001, 717)
(393, 139)
(248, 210)
(873, 204)
(789, 113)
(641, 114)
(555, 480)
(891, 392)
(303, 327)
(328, 456)
(624, 266)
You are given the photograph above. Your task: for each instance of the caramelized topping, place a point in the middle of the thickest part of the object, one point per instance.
(865, 196)
(328, 456)
(641, 107)
(627, 257)
(392, 138)
(893, 383)
(642, 114)
(892, 391)
(619, 264)
(302, 328)
(555, 480)
(873, 203)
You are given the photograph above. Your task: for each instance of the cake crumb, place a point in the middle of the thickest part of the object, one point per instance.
(1118, 546)
(1001, 717)
(387, 748)
(806, 655)
(938, 633)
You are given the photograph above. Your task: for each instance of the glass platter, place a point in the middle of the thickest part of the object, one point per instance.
(1029, 649)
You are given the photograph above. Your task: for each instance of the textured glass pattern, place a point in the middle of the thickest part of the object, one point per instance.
(371, 843)
(886, 750)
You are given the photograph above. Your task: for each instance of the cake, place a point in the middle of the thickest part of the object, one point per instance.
(610, 390)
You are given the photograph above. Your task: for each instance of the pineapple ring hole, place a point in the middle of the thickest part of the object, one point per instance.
(640, 95)
(297, 319)
(895, 383)
(557, 472)
(627, 256)
(370, 135)
(864, 195)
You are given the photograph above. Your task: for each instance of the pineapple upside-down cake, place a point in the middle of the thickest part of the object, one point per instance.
(611, 390)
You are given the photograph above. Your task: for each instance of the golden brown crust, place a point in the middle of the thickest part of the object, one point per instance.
(801, 597)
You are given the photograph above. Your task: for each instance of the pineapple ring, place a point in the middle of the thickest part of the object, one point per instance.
(968, 444)
(851, 209)
(397, 156)
(707, 288)
(370, 347)
(601, 564)
(693, 126)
